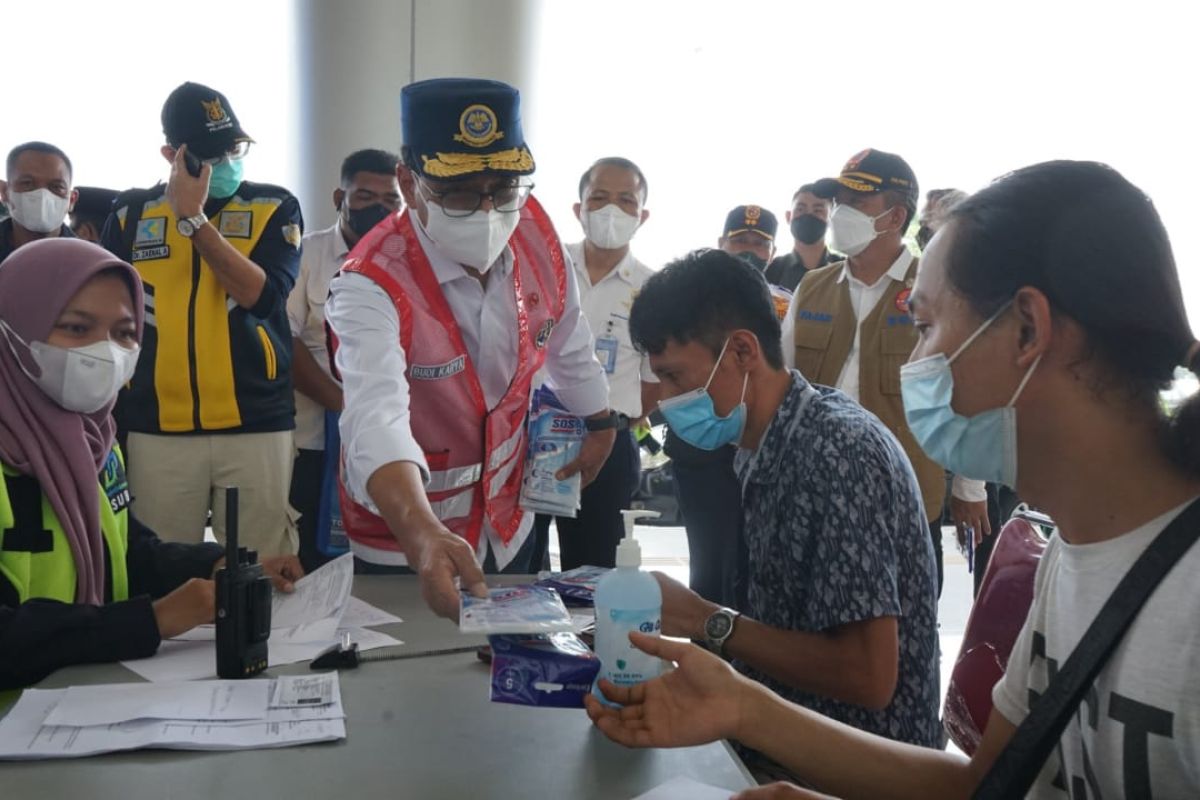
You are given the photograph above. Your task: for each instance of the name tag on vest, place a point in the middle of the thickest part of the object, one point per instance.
(436, 372)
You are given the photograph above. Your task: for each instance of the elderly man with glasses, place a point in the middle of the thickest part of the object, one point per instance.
(440, 320)
(210, 404)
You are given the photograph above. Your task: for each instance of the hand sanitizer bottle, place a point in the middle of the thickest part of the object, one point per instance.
(627, 599)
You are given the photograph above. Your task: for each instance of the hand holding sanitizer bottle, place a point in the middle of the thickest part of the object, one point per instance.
(627, 599)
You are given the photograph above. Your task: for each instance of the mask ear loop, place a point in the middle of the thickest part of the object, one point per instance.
(1025, 380)
(720, 355)
(979, 331)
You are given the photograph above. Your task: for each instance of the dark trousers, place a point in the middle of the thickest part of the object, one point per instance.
(305, 497)
(935, 534)
(527, 561)
(710, 500)
(1001, 501)
(591, 537)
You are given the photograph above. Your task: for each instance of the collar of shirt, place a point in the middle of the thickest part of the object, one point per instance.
(338, 239)
(622, 271)
(761, 464)
(896, 271)
(447, 270)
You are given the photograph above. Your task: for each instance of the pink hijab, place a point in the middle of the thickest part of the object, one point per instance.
(63, 450)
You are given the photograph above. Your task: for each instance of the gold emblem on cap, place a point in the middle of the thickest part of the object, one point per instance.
(478, 126)
(752, 215)
(214, 110)
(452, 165)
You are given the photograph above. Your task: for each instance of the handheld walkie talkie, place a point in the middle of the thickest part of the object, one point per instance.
(243, 604)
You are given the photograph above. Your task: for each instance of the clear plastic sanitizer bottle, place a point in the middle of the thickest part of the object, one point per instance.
(627, 599)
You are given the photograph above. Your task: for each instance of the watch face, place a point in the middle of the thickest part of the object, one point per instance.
(718, 626)
(185, 227)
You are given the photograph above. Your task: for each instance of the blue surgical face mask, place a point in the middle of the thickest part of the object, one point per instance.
(693, 419)
(225, 179)
(982, 447)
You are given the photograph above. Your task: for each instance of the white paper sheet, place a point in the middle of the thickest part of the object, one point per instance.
(319, 594)
(683, 788)
(178, 660)
(123, 702)
(361, 614)
(24, 734)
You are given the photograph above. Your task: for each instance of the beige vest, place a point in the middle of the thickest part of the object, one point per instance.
(824, 335)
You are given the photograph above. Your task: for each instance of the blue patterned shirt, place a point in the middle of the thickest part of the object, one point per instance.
(836, 533)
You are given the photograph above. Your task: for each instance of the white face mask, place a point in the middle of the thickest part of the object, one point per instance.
(850, 230)
(608, 228)
(80, 379)
(40, 210)
(473, 241)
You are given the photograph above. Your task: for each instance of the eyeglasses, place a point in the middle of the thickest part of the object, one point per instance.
(236, 152)
(464, 202)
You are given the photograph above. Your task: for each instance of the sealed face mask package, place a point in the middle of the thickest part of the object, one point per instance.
(553, 670)
(514, 609)
(555, 438)
(576, 586)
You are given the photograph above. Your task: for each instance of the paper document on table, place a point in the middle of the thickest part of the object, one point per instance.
(25, 732)
(122, 702)
(319, 594)
(682, 788)
(304, 690)
(179, 660)
(361, 614)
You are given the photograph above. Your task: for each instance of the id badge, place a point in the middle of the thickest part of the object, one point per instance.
(606, 353)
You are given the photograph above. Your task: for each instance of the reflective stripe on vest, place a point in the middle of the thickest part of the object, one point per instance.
(42, 566)
(450, 420)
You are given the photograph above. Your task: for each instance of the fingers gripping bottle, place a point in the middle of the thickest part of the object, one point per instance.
(627, 599)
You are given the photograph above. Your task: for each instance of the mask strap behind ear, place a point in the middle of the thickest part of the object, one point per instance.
(720, 355)
(1025, 380)
(979, 331)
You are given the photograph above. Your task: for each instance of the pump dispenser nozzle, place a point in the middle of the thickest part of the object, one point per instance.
(629, 552)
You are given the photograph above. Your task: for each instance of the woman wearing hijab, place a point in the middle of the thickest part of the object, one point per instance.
(1050, 317)
(80, 579)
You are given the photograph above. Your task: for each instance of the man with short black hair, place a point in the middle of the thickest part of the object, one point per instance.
(749, 234)
(841, 611)
(807, 219)
(91, 211)
(210, 404)
(366, 195)
(37, 193)
(849, 325)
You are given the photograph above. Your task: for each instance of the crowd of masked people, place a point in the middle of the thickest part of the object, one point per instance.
(903, 364)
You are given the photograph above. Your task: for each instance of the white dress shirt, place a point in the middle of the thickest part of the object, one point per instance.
(375, 424)
(606, 306)
(863, 299)
(320, 259)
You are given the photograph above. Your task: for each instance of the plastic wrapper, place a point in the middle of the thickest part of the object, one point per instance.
(576, 587)
(553, 670)
(555, 439)
(514, 609)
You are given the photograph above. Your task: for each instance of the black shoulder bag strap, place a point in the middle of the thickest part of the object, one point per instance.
(1018, 765)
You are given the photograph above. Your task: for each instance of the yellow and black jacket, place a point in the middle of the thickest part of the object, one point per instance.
(207, 364)
(41, 626)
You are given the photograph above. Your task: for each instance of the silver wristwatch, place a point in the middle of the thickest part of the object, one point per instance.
(189, 225)
(718, 628)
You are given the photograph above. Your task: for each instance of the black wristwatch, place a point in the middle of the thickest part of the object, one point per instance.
(718, 628)
(604, 423)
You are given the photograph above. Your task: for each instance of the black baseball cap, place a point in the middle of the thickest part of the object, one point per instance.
(871, 171)
(201, 118)
(94, 201)
(751, 218)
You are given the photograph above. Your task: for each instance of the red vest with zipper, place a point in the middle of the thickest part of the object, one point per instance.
(476, 455)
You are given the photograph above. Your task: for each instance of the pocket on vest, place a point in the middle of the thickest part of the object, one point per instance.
(896, 345)
(811, 344)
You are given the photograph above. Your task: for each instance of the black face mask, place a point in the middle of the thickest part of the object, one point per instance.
(753, 260)
(361, 220)
(808, 229)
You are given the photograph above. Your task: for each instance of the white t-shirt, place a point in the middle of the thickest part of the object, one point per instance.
(1137, 732)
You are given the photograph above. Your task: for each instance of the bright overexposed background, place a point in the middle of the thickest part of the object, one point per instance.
(722, 103)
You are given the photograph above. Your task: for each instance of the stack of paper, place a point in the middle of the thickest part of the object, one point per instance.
(303, 623)
(203, 715)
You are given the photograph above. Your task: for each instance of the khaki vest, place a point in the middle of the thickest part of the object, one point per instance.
(824, 335)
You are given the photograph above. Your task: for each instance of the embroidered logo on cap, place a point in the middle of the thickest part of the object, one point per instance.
(478, 126)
